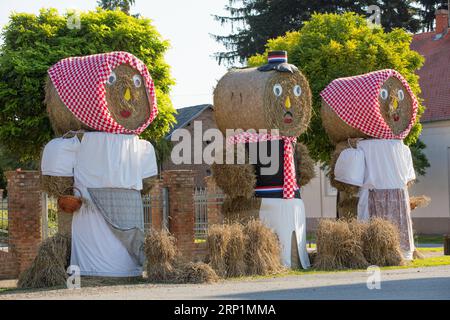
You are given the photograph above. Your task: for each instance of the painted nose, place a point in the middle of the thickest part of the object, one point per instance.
(394, 104)
(287, 103)
(127, 95)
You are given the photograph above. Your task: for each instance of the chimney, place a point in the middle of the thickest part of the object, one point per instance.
(441, 21)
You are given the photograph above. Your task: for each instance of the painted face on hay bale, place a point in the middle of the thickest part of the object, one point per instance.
(396, 105)
(377, 105)
(109, 92)
(288, 98)
(250, 99)
(127, 98)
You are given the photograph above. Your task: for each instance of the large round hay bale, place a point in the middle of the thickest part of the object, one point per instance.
(61, 118)
(246, 99)
(337, 129)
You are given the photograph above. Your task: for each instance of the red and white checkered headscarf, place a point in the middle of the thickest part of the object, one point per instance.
(80, 83)
(356, 101)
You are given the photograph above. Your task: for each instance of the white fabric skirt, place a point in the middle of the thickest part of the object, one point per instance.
(96, 250)
(284, 217)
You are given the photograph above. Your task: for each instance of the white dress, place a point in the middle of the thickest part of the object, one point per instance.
(285, 216)
(100, 160)
(379, 164)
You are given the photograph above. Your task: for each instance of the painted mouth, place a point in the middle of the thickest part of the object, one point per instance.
(125, 113)
(396, 117)
(288, 118)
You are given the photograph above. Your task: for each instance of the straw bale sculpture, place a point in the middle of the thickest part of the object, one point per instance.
(272, 106)
(367, 117)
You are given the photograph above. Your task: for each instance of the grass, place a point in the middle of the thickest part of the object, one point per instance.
(429, 239)
(438, 249)
(419, 263)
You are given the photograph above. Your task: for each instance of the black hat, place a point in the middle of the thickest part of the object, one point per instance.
(278, 61)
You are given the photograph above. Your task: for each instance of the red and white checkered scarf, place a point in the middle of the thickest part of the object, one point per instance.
(80, 83)
(356, 101)
(289, 180)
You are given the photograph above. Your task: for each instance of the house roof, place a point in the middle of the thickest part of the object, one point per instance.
(434, 75)
(186, 115)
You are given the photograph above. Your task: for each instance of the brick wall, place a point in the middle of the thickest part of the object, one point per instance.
(181, 208)
(201, 170)
(25, 200)
(8, 265)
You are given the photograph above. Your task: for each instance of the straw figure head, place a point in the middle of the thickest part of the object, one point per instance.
(274, 96)
(377, 105)
(111, 92)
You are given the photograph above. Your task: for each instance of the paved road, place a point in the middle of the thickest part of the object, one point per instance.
(423, 283)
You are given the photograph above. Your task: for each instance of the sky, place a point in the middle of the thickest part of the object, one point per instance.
(186, 24)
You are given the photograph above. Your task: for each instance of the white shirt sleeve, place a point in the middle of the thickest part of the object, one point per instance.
(411, 174)
(350, 167)
(149, 166)
(59, 156)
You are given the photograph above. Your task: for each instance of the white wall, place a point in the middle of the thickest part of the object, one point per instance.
(319, 197)
(435, 183)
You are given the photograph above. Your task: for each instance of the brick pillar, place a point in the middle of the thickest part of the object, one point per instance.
(25, 201)
(181, 208)
(214, 204)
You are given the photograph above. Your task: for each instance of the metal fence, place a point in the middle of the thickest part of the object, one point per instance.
(159, 203)
(3, 223)
(201, 201)
(201, 213)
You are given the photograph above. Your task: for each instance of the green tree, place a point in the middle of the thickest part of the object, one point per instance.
(254, 22)
(123, 5)
(331, 46)
(33, 43)
(428, 10)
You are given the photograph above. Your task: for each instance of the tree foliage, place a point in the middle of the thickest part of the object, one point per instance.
(254, 22)
(123, 5)
(331, 46)
(33, 43)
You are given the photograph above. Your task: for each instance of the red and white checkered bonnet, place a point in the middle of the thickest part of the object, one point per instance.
(356, 101)
(80, 83)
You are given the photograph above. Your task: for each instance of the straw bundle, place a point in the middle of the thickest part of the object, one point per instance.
(236, 180)
(196, 272)
(419, 202)
(61, 118)
(161, 254)
(57, 186)
(240, 209)
(245, 99)
(262, 249)
(148, 184)
(49, 267)
(382, 243)
(404, 110)
(235, 255)
(217, 241)
(339, 245)
(305, 165)
(344, 187)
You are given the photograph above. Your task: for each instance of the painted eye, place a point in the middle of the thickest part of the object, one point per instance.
(401, 95)
(384, 94)
(297, 91)
(112, 78)
(278, 90)
(137, 80)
